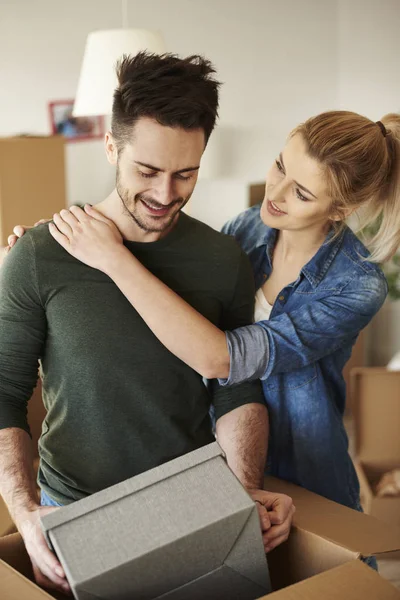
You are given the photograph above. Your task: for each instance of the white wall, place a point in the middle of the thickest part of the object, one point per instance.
(280, 63)
(369, 56)
(267, 53)
(369, 83)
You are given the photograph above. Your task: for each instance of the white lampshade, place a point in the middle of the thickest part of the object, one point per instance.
(98, 80)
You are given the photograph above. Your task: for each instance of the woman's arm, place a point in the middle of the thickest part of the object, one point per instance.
(184, 331)
(96, 241)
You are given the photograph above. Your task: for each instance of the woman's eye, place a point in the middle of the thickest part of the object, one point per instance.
(279, 166)
(300, 196)
(147, 175)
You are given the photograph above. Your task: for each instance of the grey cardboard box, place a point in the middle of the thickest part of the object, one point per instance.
(183, 530)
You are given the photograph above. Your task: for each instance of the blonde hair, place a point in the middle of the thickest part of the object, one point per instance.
(361, 162)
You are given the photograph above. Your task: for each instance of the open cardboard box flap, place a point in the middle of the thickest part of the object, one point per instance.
(364, 535)
(376, 409)
(15, 586)
(352, 581)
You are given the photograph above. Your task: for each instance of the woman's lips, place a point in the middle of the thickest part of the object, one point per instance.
(274, 210)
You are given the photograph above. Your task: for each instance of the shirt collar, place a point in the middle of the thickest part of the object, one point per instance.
(316, 269)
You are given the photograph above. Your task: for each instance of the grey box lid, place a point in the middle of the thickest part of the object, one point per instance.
(177, 531)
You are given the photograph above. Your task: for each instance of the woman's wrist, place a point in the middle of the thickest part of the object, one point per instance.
(115, 263)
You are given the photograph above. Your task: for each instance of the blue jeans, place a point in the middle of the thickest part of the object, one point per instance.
(371, 562)
(45, 500)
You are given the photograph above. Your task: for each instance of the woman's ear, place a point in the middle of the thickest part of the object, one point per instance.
(342, 214)
(111, 148)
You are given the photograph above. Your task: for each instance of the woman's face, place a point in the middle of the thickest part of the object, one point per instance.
(295, 191)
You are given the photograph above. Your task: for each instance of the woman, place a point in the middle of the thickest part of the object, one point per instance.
(317, 287)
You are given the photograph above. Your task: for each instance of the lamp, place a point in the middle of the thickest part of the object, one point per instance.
(98, 80)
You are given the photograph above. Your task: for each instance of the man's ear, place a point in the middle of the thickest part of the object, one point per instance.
(111, 148)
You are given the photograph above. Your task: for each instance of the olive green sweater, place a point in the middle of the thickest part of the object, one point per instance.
(118, 402)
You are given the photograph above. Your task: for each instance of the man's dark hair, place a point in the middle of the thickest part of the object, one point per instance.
(176, 92)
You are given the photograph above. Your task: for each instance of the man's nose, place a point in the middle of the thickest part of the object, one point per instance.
(165, 191)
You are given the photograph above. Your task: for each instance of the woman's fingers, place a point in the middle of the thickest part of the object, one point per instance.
(11, 240)
(92, 212)
(68, 217)
(79, 214)
(62, 226)
(58, 236)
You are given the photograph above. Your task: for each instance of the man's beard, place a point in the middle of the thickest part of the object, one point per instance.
(165, 222)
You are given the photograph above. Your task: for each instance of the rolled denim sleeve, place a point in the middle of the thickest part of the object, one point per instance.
(237, 313)
(296, 339)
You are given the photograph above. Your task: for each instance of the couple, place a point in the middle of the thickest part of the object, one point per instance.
(129, 305)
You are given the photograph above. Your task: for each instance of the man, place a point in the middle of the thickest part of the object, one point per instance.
(118, 402)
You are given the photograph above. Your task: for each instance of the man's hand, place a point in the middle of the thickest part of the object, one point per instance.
(46, 568)
(18, 232)
(276, 513)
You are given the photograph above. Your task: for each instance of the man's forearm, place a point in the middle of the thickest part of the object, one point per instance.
(243, 435)
(17, 479)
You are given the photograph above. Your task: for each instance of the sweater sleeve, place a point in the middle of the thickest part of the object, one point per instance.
(22, 333)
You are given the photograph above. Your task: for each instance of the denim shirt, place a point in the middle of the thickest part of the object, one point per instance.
(300, 352)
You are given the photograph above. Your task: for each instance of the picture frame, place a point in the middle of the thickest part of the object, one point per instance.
(74, 129)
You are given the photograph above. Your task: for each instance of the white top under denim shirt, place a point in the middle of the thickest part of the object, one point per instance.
(262, 308)
(300, 352)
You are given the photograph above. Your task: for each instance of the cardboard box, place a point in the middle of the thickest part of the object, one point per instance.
(321, 554)
(376, 409)
(352, 581)
(325, 535)
(32, 181)
(357, 359)
(186, 529)
(16, 575)
(13, 586)
(6, 523)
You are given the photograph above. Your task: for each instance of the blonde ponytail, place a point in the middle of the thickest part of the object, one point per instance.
(382, 212)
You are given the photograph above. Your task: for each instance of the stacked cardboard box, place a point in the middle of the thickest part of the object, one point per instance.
(376, 411)
(32, 180)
